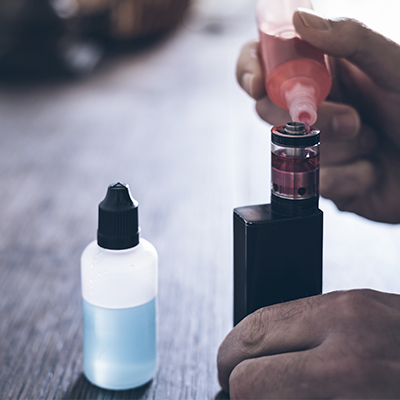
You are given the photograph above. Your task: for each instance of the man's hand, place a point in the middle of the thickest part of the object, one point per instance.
(360, 124)
(337, 345)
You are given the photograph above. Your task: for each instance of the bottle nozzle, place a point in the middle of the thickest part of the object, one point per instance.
(302, 103)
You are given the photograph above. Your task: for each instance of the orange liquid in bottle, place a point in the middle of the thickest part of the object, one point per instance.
(287, 62)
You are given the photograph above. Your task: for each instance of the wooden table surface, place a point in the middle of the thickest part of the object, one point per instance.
(171, 122)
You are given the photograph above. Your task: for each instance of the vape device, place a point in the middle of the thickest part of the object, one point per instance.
(278, 246)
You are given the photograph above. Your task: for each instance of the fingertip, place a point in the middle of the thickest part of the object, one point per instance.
(249, 72)
(258, 88)
(334, 185)
(337, 121)
(338, 37)
(345, 183)
(310, 19)
(247, 83)
(252, 85)
(223, 378)
(223, 384)
(240, 381)
(270, 112)
(346, 123)
(374, 54)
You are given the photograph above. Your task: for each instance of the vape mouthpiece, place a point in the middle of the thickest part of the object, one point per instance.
(302, 103)
(295, 128)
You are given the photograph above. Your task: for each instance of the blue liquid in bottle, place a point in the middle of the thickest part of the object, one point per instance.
(119, 345)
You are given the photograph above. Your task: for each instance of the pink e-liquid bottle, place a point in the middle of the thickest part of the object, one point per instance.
(296, 76)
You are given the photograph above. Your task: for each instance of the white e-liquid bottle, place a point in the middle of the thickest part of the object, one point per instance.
(119, 292)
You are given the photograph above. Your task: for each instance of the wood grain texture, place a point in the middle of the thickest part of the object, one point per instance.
(170, 121)
(158, 119)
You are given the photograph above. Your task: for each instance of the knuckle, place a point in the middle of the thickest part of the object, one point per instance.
(356, 28)
(356, 369)
(349, 28)
(254, 329)
(350, 370)
(353, 304)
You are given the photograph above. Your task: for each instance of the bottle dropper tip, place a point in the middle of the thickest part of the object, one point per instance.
(301, 103)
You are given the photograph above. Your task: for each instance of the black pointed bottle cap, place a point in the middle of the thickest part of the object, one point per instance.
(118, 219)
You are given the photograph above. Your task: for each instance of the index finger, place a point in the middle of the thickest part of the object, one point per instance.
(373, 53)
(286, 327)
(248, 71)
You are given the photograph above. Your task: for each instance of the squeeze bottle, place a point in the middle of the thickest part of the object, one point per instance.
(296, 76)
(119, 289)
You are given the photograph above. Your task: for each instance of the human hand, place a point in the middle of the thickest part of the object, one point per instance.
(336, 345)
(360, 122)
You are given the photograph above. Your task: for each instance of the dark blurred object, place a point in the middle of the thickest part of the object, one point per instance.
(42, 37)
(139, 18)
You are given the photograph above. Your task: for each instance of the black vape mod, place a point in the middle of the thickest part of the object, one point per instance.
(278, 246)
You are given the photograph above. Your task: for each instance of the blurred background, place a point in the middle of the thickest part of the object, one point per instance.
(144, 92)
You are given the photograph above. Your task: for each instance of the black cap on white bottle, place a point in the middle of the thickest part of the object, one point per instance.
(118, 219)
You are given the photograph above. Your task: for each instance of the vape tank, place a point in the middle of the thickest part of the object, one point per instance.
(278, 246)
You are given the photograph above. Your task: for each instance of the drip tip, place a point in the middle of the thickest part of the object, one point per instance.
(118, 219)
(302, 104)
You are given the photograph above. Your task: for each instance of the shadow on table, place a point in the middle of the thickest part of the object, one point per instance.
(82, 389)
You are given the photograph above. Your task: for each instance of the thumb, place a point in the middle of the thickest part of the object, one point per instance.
(375, 55)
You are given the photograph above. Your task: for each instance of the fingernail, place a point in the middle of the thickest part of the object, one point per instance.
(313, 20)
(247, 82)
(345, 125)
